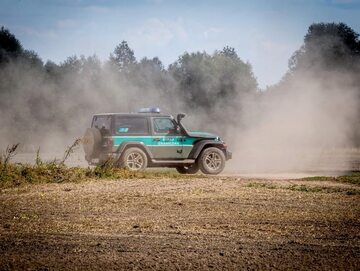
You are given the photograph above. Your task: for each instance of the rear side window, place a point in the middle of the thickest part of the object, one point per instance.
(102, 122)
(134, 126)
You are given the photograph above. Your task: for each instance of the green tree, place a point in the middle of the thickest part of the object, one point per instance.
(329, 57)
(91, 66)
(10, 46)
(51, 68)
(229, 52)
(207, 80)
(154, 63)
(328, 46)
(71, 65)
(150, 75)
(11, 49)
(123, 57)
(32, 58)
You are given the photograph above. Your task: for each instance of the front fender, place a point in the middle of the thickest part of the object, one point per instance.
(200, 145)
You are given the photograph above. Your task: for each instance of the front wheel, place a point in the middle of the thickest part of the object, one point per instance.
(134, 159)
(192, 169)
(212, 161)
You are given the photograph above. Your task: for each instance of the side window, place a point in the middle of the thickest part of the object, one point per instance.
(127, 125)
(163, 125)
(103, 123)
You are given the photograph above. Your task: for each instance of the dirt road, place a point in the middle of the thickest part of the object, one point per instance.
(227, 223)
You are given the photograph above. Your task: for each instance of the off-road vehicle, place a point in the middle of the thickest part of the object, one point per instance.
(151, 139)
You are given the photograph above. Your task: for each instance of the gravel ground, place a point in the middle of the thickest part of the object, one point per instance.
(220, 223)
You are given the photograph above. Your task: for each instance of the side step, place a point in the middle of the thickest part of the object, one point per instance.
(186, 161)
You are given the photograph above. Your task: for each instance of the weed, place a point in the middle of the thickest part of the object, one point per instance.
(9, 153)
(71, 149)
(38, 161)
(261, 185)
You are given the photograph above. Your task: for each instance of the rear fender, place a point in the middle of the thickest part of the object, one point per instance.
(123, 146)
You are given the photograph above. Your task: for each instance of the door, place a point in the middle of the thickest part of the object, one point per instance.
(166, 143)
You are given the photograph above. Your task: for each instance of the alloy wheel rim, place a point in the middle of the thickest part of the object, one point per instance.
(213, 161)
(134, 161)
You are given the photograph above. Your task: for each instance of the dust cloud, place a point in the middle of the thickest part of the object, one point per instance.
(308, 124)
(308, 121)
(51, 113)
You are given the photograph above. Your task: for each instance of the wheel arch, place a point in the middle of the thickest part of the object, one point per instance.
(204, 144)
(129, 144)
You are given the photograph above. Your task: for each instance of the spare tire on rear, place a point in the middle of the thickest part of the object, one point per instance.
(91, 143)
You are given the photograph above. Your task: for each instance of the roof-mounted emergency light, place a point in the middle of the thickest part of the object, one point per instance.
(150, 110)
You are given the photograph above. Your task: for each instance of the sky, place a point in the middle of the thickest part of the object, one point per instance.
(264, 33)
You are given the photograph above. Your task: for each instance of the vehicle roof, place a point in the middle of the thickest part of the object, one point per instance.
(134, 114)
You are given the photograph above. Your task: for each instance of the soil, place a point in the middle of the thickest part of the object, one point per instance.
(220, 223)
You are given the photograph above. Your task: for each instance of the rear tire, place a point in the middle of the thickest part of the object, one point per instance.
(134, 159)
(191, 169)
(212, 161)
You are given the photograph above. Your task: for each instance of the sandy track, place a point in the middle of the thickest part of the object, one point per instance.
(220, 223)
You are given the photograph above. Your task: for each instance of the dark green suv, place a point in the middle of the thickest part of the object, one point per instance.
(150, 139)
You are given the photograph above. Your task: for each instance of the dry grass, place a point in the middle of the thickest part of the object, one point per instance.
(13, 175)
(20, 174)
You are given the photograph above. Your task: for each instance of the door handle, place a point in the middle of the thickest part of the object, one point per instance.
(156, 139)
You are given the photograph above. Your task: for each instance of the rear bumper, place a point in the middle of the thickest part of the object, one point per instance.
(228, 155)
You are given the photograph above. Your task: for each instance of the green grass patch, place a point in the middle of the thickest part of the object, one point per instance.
(318, 178)
(323, 189)
(305, 188)
(353, 178)
(261, 185)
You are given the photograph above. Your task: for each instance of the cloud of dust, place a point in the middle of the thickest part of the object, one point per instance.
(38, 111)
(293, 126)
(303, 125)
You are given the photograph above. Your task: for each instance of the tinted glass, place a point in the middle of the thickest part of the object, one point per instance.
(102, 122)
(126, 125)
(163, 125)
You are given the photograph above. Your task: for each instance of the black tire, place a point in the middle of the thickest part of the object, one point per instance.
(191, 169)
(134, 159)
(91, 143)
(212, 161)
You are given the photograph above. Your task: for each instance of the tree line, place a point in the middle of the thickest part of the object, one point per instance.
(215, 87)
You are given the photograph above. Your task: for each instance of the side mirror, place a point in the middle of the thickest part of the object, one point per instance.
(180, 117)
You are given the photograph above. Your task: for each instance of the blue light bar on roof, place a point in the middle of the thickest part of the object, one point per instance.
(150, 110)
